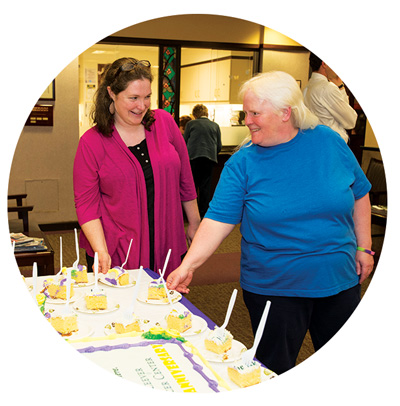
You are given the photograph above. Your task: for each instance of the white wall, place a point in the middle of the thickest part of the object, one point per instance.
(43, 159)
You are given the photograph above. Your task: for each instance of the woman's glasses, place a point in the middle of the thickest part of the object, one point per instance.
(128, 66)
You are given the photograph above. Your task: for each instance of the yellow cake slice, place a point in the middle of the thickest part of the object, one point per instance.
(245, 375)
(96, 299)
(65, 324)
(79, 275)
(117, 276)
(57, 289)
(218, 343)
(179, 321)
(156, 290)
(128, 325)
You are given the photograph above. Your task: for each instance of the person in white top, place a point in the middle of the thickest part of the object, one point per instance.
(326, 97)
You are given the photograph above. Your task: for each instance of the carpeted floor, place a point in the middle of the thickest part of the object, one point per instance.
(212, 286)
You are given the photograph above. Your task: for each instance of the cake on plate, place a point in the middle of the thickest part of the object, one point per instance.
(218, 343)
(65, 324)
(127, 325)
(96, 299)
(78, 274)
(57, 288)
(245, 375)
(156, 290)
(117, 276)
(179, 321)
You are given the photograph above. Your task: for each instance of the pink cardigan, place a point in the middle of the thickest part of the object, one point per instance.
(109, 185)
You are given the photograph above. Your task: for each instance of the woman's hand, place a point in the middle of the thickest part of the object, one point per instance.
(104, 261)
(364, 265)
(179, 280)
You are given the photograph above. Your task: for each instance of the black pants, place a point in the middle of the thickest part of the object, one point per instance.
(289, 319)
(202, 170)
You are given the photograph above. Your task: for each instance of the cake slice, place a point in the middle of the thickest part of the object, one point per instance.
(179, 321)
(57, 289)
(156, 290)
(218, 343)
(79, 275)
(96, 299)
(65, 324)
(245, 375)
(127, 325)
(117, 276)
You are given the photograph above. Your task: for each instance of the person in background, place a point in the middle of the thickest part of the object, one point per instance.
(182, 123)
(325, 95)
(203, 140)
(303, 204)
(132, 176)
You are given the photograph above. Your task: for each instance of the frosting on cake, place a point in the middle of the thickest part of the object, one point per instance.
(180, 321)
(245, 375)
(79, 275)
(96, 299)
(159, 358)
(156, 290)
(56, 288)
(117, 276)
(243, 368)
(217, 338)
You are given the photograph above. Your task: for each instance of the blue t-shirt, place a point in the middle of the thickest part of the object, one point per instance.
(295, 203)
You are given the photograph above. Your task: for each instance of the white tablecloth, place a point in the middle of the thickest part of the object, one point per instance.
(100, 324)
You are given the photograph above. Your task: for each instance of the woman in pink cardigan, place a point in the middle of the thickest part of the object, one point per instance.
(132, 176)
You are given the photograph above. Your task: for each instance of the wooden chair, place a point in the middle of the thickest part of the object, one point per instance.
(21, 209)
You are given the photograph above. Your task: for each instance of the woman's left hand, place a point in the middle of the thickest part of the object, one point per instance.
(364, 265)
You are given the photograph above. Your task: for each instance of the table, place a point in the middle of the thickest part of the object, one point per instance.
(100, 324)
(44, 259)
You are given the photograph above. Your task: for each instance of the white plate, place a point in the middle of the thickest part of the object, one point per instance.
(85, 284)
(198, 326)
(73, 299)
(132, 281)
(175, 297)
(233, 354)
(80, 306)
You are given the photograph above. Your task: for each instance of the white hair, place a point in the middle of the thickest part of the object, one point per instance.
(282, 91)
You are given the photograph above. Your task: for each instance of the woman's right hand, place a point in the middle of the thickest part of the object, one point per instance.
(104, 261)
(179, 280)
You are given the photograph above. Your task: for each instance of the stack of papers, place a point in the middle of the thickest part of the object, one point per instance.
(27, 244)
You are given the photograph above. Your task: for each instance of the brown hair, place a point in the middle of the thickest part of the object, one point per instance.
(118, 80)
(200, 110)
(184, 120)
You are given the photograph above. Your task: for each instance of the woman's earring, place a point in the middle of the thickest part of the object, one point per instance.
(112, 108)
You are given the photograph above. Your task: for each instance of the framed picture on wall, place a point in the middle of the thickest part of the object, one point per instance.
(50, 92)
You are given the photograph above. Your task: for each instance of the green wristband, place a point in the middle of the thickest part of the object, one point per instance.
(366, 251)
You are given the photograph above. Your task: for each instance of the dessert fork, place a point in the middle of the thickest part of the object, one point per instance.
(248, 355)
(127, 255)
(75, 264)
(220, 330)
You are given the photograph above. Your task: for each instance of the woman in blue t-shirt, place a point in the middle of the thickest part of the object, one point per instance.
(303, 204)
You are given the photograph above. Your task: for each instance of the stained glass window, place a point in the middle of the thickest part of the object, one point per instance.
(168, 101)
